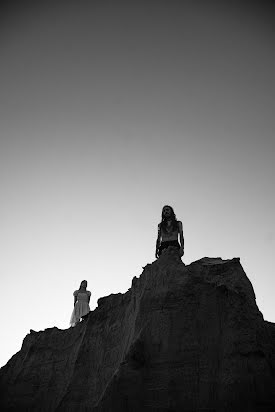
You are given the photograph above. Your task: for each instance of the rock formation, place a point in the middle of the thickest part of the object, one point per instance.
(182, 338)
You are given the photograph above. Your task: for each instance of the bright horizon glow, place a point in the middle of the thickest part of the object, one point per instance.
(109, 113)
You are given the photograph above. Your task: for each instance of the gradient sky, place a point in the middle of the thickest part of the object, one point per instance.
(109, 110)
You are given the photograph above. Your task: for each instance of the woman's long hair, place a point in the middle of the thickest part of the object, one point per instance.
(163, 223)
(83, 281)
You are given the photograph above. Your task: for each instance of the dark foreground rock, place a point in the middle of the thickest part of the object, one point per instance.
(183, 338)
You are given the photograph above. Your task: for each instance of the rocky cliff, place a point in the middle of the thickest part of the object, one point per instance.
(183, 338)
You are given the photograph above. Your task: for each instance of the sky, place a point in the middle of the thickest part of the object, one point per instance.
(109, 111)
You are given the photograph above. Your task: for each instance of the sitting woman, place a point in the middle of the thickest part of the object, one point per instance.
(169, 230)
(81, 303)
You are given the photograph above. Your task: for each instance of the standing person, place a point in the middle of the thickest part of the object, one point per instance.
(81, 303)
(169, 230)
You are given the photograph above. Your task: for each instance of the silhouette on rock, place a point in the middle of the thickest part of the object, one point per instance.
(182, 338)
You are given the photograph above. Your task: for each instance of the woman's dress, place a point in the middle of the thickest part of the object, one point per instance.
(81, 307)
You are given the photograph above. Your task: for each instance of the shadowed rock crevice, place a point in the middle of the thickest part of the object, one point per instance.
(182, 338)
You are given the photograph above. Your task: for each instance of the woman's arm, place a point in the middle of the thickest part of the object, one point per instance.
(158, 242)
(181, 238)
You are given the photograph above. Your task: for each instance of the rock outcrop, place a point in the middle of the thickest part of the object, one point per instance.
(182, 338)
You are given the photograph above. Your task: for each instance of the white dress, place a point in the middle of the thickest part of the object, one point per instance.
(81, 307)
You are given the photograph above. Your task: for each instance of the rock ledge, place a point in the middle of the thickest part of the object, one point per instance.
(182, 338)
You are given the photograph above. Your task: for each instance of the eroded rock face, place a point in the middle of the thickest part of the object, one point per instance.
(183, 338)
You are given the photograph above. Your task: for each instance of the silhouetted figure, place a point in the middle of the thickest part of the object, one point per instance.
(81, 303)
(169, 230)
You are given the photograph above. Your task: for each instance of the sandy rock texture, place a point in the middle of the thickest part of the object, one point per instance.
(182, 338)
